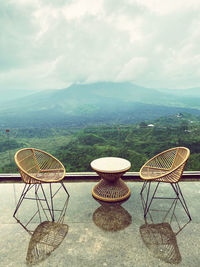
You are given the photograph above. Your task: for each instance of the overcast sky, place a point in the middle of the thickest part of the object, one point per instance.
(49, 44)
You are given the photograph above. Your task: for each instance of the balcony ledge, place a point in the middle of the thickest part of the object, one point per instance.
(92, 176)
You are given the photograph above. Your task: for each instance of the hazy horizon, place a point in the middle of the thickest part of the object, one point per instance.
(16, 93)
(53, 44)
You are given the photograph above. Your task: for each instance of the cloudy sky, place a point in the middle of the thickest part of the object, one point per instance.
(49, 44)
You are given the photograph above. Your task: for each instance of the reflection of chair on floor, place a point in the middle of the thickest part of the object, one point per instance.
(166, 167)
(161, 241)
(47, 236)
(37, 167)
(45, 239)
(111, 217)
(160, 238)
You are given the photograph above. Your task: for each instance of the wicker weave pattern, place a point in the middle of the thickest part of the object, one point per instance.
(164, 161)
(111, 192)
(45, 239)
(111, 217)
(36, 166)
(161, 241)
(167, 166)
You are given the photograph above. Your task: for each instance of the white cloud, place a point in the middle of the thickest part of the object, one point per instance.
(133, 69)
(82, 8)
(49, 44)
(169, 6)
(40, 75)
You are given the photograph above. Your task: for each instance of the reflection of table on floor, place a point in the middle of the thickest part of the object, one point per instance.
(111, 216)
(111, 188)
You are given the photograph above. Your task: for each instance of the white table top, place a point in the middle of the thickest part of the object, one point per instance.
(110, 165)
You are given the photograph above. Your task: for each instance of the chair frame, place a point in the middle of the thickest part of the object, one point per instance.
(33, 182)
(167, 177)
(40, 214)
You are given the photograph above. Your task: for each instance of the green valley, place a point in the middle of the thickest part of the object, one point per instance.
(76, 147)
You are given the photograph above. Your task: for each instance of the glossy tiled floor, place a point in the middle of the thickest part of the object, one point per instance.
(99, 234)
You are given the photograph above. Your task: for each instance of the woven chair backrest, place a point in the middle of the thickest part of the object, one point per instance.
(31, 161)
(168, 165)
(164, 160)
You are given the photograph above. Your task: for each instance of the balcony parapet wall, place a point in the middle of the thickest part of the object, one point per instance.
(92, 176)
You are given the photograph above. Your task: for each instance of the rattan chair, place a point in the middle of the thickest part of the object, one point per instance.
(166, 167)
(37, 167)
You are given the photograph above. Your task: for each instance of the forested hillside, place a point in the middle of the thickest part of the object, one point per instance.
(77, 147)
(87, 104)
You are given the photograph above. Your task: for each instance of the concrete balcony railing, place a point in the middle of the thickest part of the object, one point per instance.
(92, 176)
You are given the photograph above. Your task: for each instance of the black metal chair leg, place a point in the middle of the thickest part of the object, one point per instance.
(52, 210)
(179, 195)
(40, 200)
(148, 205)
(27, 187)
(145, 200)
(143, 187)
(65, 189)
(48, 206)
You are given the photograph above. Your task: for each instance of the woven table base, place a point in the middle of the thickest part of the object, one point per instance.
(111, 191)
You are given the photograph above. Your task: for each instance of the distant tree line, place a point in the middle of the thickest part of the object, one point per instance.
(77, 147)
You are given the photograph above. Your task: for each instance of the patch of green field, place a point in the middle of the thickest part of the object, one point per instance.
(77, 147)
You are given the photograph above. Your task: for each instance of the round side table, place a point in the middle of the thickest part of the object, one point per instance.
(111, 187)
